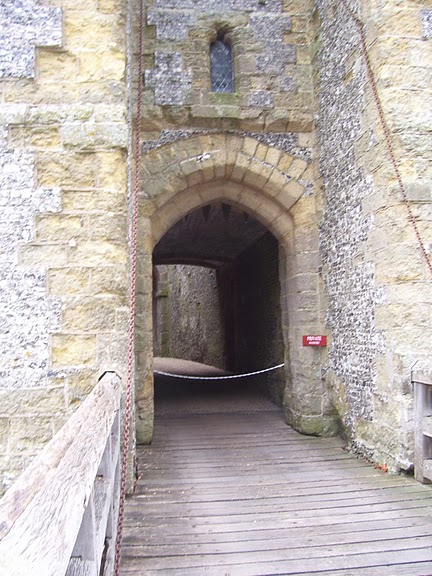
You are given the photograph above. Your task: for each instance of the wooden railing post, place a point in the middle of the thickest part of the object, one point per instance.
(422, 381)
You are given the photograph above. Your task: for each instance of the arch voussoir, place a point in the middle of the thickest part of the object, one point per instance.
(277, 181)
(258, 174)
(266, 210)
(290, 193)
(223, 189)
(208, 166)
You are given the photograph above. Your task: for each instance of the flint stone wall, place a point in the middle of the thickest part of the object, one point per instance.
(348, 276)
(63, 234)
(374, 276)
(27, 315)
(271, 65)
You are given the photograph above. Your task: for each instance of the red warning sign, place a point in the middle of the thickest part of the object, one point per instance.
(314, 340)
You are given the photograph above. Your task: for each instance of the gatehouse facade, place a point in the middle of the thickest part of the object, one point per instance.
(305, 123)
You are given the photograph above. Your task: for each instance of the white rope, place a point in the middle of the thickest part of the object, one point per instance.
(217, 377)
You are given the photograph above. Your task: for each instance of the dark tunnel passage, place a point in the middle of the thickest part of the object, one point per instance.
(216, 301)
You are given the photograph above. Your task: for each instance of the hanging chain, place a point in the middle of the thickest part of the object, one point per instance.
(387, 136)
(131, 349)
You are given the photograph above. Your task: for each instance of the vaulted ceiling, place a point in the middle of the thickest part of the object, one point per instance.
(213, 235)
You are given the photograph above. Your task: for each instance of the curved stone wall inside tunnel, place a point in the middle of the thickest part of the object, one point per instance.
(269, 184)
(188, 319)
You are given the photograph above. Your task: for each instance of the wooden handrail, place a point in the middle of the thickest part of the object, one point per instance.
(41, 515)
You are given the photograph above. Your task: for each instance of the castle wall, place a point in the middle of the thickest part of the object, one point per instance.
(402, 60)
(271, 63)
(190, 318)
(63, 245)
(261, 136)
(378, 307)
(351, 267)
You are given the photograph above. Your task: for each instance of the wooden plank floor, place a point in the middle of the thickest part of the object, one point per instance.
(227, 489)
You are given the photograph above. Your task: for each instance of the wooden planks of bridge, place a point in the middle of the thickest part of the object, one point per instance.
(227, 489)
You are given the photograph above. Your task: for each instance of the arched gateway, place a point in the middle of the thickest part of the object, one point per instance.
(269, 184)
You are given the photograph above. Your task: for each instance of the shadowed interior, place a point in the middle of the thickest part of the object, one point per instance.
(217, 300)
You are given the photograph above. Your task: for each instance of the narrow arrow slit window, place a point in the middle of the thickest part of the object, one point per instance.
(221, 66)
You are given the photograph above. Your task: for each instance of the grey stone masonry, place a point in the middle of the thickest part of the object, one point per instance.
(349, 279)
(25, 24)
(261, 99)
(170, 25)
(426, 19)
(284, 141)
(269, 31)
(222, 5)
(170, 81)
(259, 46)
(26, 315)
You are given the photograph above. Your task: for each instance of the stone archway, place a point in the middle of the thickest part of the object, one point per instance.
(182, 176)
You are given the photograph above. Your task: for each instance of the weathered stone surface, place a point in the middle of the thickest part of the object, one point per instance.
(112, 171)
(269, 30)
(30, 434)
(32, 401)
(382, 254)
(261, 50)
(96, 253)
(170, 25)
(63, 281)
(92, 315)
(64, 141)
(261, 99)
(189, 294)
(287, 142)
(94, 135)
(426, 19)
(88, 201)
(73, 350)
(4, 434)
(106, 280)
(25, 25)
(66, 170)
(25, 313)
(63, 131)
(34, 137)
(350, 284)
(171, 82)
(53, 228)
(80, 383)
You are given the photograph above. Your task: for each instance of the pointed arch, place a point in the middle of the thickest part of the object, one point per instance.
(270, 175)
(180, 177)
(265, 210)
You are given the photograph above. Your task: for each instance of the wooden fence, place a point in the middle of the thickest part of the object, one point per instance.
(59, 518)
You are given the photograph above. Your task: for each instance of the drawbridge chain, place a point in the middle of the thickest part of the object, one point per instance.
(387, 137)
(133, 256)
